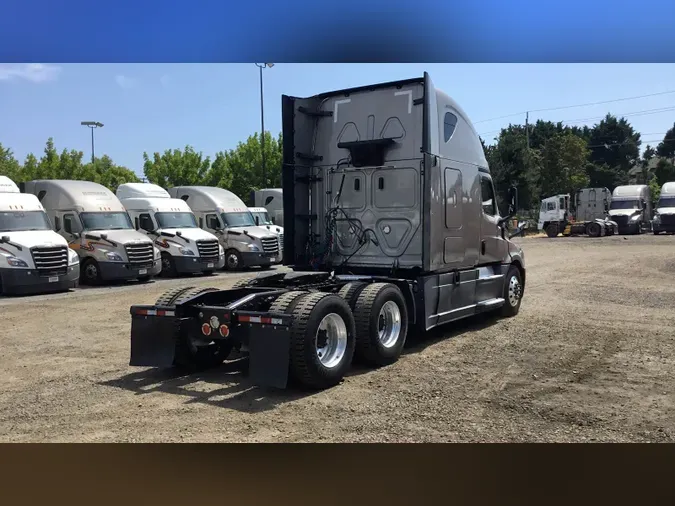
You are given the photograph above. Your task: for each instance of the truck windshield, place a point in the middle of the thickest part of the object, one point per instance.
(176, 220)
(13, 221)
(263, 218)
(624, 204)
(106, 221)
(667, 201)
(238, 219)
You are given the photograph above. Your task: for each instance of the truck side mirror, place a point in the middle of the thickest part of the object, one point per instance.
(257, 221)
(513, 199)
(76, 235)
(644, 205)
(57, 224)
(4, 238)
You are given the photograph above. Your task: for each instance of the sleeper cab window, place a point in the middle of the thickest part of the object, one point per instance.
(488, 197)
(449, 124)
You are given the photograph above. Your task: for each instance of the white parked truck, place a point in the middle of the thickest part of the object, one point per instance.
(173, 227)
(271, 199)
(664, 216)
(33, 258)
(96, 225)
(631, 208)
(587, 215)
(262, 219)
(223, 214)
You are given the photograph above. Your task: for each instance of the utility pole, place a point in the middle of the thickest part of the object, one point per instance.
(92, 125)
(527, 128)
(261, 66)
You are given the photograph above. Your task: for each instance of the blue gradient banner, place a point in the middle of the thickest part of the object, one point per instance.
(346, 31)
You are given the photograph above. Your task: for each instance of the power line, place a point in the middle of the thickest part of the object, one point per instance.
(584, 120)
(577, 105)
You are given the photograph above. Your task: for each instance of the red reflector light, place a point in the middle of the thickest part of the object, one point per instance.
(224, 330)
(206, 329)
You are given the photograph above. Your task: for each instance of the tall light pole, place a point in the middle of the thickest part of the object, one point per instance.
(261, 66)
(92, 125)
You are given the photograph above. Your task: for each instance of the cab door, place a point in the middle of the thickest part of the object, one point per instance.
(493, 247)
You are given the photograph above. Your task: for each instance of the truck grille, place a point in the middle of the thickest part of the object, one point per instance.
(622, 221)
(50, 260)
(270, 244)
(668, 219)
(281, 242)
(140, 254)
(208, 248)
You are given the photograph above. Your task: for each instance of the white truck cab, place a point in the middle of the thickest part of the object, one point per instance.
(171, 224)
(272, 199)
(33, 258)
(262, 219)
(664, 216)
(96, 225)
(222, 213)
(631, 208)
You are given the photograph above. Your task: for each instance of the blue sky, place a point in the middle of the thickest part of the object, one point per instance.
(153, 107)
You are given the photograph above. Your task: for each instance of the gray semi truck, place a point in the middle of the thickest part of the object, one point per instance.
(391, 222)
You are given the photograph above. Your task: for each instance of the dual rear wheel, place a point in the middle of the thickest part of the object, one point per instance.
(368, 322)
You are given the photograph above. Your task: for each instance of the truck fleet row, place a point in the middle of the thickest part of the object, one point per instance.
(56, 234)
(597, 212)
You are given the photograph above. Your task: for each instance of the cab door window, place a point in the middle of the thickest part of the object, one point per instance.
(488, 197)
(145, 222)
(71, 224)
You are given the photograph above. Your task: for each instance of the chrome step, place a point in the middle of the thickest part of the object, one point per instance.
(490, 304)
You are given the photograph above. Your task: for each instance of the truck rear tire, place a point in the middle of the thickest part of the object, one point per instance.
(594, 230)
(350, 292)
(167, 298)
(285, 303)
(513, 292)
(381, 316)
(322, 340)
(552, 230)
(191, 351)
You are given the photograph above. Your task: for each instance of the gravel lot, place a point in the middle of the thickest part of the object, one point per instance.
(590, 357)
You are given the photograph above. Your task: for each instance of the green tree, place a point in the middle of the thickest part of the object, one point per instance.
(9, 166)
(614, 143)
(105, 172)
(176, 168)
(666, 147)
(655, 190)
(664, 172)
(563, 169)
(245, 164)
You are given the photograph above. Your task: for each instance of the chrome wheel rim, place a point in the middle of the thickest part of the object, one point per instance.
(515, 291)
(232, 261)
(331, 340)
(389, 324)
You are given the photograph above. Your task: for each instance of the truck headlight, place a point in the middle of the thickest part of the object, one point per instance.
(221, 251)
(16, 262)
(73, 259)
(186, 252)
(253, 247)
(635, 218)
(114, 257)
(158, 254)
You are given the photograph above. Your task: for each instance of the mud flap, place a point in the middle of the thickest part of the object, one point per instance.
(153, 341)
(269, 356)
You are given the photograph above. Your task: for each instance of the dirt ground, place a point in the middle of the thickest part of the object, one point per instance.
(590, 357)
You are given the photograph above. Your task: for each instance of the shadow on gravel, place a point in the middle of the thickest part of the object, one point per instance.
(229, 387)
(226, 387)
